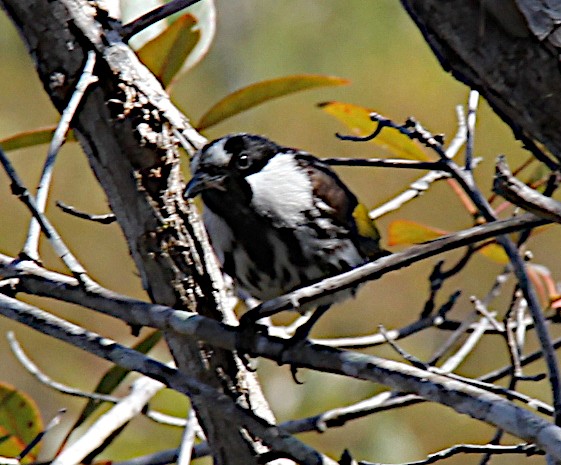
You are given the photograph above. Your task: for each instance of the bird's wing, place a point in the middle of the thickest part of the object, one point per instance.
(342, 206)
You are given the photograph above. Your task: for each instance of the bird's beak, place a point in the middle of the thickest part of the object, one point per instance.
(201, 182)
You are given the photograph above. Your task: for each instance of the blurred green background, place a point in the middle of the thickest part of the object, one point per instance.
(377, 47)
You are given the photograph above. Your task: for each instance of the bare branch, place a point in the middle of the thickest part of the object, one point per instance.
(103, 219)
(31, 246)
(152, 17)
(518, 193)
(478, 403)
(130, 406)
(34, 370)
(382, 163)
(471, 118)
(415, 131)
(188, 439)
(374, 270)
(58, 245)
(519, 449)
(105, 348)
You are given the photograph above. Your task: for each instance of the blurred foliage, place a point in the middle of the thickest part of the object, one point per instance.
(260, 92)
(20, 423)
(166, 53)
(392, 71)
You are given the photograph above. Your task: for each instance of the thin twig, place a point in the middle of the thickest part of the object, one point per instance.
(473, 101)
(19, 189)
(406, 356)
(31, 246)
(34, 370)
(467, 347)
(53, 423)
(519, 449)
(363, 342)
(112, 421)
(103, 219)
(153, 16)
(188, 439)
(518, 193)
(422, 184)
(439, 276)
(383, 163)
(482, 309)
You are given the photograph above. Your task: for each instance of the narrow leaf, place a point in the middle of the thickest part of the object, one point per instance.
(260, 92)
(495, 253)
(166, 53)
(31, 138)
(357, 120)
(405, 232)
(20, 423)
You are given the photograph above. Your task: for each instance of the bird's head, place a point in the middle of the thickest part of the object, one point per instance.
(222, 164)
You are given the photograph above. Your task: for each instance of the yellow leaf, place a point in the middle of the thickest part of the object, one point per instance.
(260, 92)
(495, 253)
(357, 119)
(405, 232)
(20, 423)
(166, 53)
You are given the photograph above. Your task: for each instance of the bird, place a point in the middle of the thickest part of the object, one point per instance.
(279, 218)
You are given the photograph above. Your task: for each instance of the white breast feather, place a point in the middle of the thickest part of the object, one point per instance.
(282, 190)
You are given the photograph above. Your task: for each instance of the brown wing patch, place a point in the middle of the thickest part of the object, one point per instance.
(333, 193)
(330, 189)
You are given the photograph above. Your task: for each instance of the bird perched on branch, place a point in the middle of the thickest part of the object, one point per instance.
(278, 218)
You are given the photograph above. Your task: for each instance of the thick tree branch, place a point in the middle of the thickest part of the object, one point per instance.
(464, 398)
(495, 53)
(126, 124)
(132, 360)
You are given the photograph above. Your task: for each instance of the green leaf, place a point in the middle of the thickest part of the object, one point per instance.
(166, 53)
(260, 92)
(113, 378)
(20, 423)
(357, 119)
(31, 138)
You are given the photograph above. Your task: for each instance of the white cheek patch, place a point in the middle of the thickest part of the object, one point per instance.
(282, 190)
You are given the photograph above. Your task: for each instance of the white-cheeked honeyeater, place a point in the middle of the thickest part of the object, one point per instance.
(278, 218)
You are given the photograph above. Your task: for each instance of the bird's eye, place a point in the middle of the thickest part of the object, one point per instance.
(243, 162)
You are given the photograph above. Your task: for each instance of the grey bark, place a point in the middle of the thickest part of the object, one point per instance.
(507, 50)
(125, 128)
